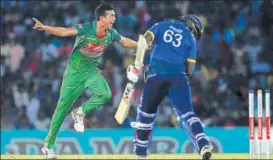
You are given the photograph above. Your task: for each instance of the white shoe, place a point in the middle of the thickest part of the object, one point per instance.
(78, 121)
(206, 152)
(49, 153)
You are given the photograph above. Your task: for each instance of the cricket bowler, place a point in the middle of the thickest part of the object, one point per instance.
(92, 39)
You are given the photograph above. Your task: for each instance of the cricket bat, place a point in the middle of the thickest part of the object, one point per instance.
(127, 96)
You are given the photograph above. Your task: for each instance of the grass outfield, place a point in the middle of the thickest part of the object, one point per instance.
(129, 156)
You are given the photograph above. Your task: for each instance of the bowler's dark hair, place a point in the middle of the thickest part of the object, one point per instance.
(101, 10)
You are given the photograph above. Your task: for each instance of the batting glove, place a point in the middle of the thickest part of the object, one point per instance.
(132, 73)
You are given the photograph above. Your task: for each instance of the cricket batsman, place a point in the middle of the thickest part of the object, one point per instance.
(172, 60)
(92, 39)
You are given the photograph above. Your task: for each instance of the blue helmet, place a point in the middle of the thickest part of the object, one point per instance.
(194, 23)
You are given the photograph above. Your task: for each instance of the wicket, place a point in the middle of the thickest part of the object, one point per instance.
(260, 141)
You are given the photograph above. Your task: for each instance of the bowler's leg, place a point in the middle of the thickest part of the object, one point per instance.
(71, 88)
(101, 94)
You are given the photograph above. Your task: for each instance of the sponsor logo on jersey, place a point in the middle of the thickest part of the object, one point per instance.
(93, 50)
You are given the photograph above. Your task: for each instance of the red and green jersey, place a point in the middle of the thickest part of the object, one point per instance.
(88, 47)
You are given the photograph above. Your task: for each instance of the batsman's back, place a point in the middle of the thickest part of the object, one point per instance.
(173, 43)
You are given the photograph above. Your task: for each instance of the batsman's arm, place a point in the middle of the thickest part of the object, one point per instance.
(191, 59)
(57, 31)
(149, 36)
(190, 68)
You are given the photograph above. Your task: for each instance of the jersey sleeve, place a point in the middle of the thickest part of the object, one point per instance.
(116, 36)
(83, 29)
(192, 51)
(153, 30)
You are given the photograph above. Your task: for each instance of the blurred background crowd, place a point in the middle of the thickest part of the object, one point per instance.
(235, 53)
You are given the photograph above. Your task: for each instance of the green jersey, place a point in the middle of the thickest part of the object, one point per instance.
(81, 73)
(88, 47)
